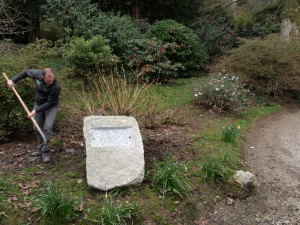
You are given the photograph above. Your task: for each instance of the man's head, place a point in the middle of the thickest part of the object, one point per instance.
(48, 76)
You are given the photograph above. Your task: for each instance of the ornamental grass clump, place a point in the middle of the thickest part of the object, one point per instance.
(54, 206)
(113, 215)
(219, 167)
(222, 92)
(167, 177)
(229, 133)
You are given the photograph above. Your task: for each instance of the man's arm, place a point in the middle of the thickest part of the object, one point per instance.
(26, 73)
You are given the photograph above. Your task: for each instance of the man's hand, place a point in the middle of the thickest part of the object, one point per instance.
(10, 84)
(32, 114)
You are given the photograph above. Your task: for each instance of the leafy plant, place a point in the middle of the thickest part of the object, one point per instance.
(119, 30)
(270, 68)
(229, 133)
(259, 23)
(189, 52)
(116, 215)
(218, 167)
(222, 92)
(218, 37)
(55, 206)
(84, 56)
(167, 177)
(149, 58)
(70, 17)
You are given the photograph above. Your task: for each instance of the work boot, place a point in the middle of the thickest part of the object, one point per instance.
(46, 157)
(45, 154)
(38, 152)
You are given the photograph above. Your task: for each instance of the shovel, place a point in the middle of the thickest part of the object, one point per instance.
(27, 111)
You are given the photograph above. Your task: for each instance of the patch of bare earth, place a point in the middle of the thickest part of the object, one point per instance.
(272, 150)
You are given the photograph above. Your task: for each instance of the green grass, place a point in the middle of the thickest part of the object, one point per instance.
(222, 156)
(229, 133)
(54, 206)
(219, 167)
(167, 177)
(111, 214)
(3, 185)
(177, 93)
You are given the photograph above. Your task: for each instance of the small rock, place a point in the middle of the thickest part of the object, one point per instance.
(70, 150)
(229, 201)
(243, 184)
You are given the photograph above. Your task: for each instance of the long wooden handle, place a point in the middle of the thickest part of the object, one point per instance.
(27, 111)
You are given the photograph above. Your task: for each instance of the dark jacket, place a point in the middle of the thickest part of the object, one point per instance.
(46, 96)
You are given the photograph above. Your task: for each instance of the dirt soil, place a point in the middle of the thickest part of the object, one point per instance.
(272, 150)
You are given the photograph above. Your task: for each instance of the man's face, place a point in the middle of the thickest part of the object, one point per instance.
(48, 77)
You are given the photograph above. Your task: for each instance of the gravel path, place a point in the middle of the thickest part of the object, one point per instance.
(273, 154)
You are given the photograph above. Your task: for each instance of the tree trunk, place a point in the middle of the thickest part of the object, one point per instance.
(136, 9)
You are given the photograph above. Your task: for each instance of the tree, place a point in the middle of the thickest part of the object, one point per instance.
(69, 16)
(12, 20)
(182, 11)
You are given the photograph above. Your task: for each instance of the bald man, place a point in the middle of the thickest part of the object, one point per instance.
(46, 104)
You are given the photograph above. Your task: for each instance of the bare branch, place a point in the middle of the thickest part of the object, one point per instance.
(11, 19)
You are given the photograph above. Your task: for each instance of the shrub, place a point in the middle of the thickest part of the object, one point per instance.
(217, 38)
(189, 51)
(54, 206)
(121, 214)
(13, 118)
(84, 56)
(260, 23)
(167, 177)
(119, 30)
(149, 59)
(222, 92)
(111, 94)
(270, 67)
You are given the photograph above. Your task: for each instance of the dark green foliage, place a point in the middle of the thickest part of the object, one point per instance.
(148, 57)
(84, 56)
(83, 19)
(119, 30)
(70, 17)
(183, 11)
(190, 53)
(218, 37)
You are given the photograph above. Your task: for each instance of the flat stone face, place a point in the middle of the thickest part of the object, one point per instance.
(111, 136)
(114, 152)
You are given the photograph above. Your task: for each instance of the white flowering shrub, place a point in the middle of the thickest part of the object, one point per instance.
(222, 92)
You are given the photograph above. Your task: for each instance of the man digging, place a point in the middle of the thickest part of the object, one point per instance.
(45, 106)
